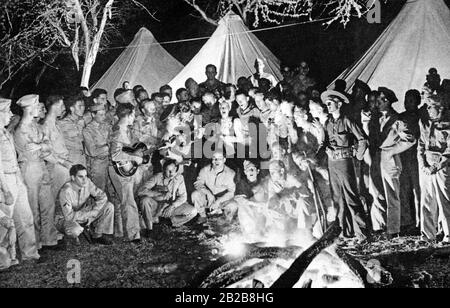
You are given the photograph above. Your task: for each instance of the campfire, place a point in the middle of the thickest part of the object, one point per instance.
(298, 261)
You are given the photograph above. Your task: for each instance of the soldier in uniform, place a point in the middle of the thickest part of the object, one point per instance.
(394, 139)
(74, 208)
(59, 172)
(13, 192)
(434, 156)
(340, 132)
(124, 186)
(96, 145)
(34, 149)
(72, 129)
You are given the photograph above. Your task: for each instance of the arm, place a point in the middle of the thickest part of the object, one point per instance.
(100, 198)
(116, 147)
(445, 160)
(67, 199)
(406, 139)
(230, 188)
(361, 138)
(181, 194)
(92, 148)
(421, 148)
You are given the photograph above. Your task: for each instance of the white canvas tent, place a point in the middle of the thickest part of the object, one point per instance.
(143, 62)
(417, 39)
(233, 50)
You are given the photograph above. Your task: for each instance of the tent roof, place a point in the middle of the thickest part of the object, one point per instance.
(417, 39)
(143, 62)
(233, 50)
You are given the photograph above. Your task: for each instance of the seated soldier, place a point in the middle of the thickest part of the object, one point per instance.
(83, 203)
(214, 186)
(7, 242)
(164, 195)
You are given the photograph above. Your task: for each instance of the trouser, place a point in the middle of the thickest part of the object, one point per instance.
(103, 224)
(376, 190)
(390, 173)
(42, 203)
(22, 215)
(152, 211)
(410, 192)
(59, 176)
(435, 203)
(344, 189)
(7, 246)
(98, 172)
(126, 212)
(202, 200)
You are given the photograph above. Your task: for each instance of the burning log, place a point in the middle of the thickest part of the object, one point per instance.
(289, 278)
(209, 276)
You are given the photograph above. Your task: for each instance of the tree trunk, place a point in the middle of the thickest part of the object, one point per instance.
(87, 69)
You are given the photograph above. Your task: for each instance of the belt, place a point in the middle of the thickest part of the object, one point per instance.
(338, 154)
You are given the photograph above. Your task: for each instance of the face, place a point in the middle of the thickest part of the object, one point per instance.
(166, 100)
(101, 99)
(78, 109)
(333, 105)
(315, 93)
(196, 107)
(303, 99)
(211, 73)
(304, 69)
(100, 116)
(168, 91)
(383, 103)
(34, 110)
(171, 171)
(224, 109)
(126, 85)
(277, 152)
(411, 103)
(142, 96)
(42, 111)
(242, 101)
(259, 65)
(315, 110)
(86, 93)
(5, 118)
(59, 108)
(286, 72)
(273, 105)
(218, 160)
(81, 179)
(149, 108)
(434, 111)
(183, 97)
(209, 100)
(276, 172)
(373, 103)
(251, 172)
(259, 100)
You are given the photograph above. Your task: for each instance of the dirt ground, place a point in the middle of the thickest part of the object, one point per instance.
(175, 259)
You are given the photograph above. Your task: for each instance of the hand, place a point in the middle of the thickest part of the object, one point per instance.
(6, 222)
(199, 186)
(91, 218)
(168, 211)
(9, 198)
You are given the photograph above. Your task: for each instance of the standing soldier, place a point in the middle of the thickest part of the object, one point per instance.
(72, 129)
(33, 150)
(13, 192)
(395, 138)
(96, 145)
(434, 157)
(340, 132)
(59, 172)
(124, 186)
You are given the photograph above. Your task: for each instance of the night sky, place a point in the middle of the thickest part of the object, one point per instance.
(329, 50)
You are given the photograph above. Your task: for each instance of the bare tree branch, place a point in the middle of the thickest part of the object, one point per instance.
(202, 12)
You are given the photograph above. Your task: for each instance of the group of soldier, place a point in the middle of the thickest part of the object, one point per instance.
(76, 167)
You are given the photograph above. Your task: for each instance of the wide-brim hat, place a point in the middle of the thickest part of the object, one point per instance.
(334, 94)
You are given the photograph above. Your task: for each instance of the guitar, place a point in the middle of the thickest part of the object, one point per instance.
(129, 168)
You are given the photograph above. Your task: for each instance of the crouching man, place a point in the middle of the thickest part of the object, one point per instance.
(164, 195)
(83, 203)
(7, 242)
